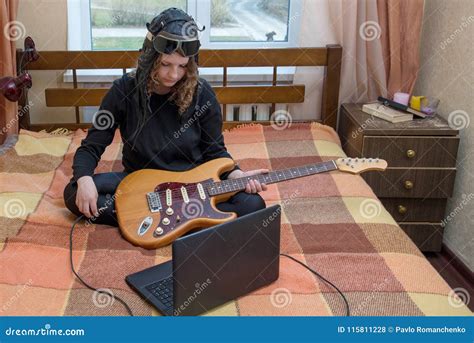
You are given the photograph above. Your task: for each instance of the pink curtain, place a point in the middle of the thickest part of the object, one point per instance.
(8, 110)
(401, 21)
(381, 41)
(355, 24)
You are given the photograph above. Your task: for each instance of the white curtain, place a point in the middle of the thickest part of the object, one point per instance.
(316, 31)
(363, 72)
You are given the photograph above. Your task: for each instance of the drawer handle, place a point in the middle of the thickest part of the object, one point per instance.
(411, 153)
(408, 184)
(402, 209)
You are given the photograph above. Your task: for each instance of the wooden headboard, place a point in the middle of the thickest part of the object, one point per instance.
(328, 57)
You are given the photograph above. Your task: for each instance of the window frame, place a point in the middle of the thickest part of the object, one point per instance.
(80, 38)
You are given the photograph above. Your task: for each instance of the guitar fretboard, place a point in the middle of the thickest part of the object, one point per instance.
(233, 185)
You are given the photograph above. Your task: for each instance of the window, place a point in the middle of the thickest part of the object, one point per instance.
(229, 24)
(120, 24)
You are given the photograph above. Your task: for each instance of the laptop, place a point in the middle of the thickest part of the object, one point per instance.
(215, 265)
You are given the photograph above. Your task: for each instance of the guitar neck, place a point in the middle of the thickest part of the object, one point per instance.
(239, 184)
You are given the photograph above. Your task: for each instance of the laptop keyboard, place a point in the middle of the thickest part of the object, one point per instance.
(163, 291)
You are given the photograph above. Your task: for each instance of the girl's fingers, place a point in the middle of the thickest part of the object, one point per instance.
(93, 206)
(252, 186)
(85, 211)
(247, 188)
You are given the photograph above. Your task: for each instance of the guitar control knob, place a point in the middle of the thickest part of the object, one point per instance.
(158, 232)
(169, 211)
(165, 221)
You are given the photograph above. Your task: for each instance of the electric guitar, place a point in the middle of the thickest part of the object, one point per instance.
(154, 207)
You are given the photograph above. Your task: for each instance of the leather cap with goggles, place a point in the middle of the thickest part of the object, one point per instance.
(173, 30)
(167, 43)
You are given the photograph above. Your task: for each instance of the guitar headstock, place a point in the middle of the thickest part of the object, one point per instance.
(360, 165)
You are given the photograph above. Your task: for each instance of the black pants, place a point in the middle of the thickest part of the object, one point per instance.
(106, 183)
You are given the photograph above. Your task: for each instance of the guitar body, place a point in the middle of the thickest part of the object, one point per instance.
(154, 207)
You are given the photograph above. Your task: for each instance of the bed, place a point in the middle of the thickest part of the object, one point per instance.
(333, 221)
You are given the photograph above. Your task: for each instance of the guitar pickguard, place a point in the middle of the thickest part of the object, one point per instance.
(179, 203)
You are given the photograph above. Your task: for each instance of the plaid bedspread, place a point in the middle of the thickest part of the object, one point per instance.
(333, 222)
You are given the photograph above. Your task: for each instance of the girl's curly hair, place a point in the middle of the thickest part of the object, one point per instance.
(183, 91)
(181, 94)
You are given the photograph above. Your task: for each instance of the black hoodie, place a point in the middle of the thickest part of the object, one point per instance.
(167, 141)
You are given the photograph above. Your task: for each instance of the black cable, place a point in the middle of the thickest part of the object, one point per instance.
(128, 307)
(82, 281)
(324, 279)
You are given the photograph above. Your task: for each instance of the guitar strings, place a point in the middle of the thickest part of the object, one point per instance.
(193, 187)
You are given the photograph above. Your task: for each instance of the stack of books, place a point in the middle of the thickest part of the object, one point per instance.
(378, 110)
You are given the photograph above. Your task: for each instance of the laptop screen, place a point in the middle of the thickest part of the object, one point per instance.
(221, 263)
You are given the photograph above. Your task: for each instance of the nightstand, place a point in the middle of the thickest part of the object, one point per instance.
(421, 156)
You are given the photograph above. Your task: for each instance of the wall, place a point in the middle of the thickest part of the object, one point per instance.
(447, 73)
(46, 22)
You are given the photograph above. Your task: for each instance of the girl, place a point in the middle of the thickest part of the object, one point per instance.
(168, 118)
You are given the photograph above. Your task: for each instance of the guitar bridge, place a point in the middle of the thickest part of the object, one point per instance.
(154, 202)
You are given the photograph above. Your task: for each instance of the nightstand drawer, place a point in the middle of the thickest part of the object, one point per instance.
(412, 183)
(412, 151)
(415, 209)
(427, 236)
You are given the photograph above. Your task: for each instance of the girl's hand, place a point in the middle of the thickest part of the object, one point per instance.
(86, 197)
(253, 186)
